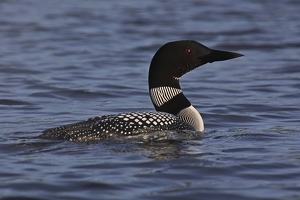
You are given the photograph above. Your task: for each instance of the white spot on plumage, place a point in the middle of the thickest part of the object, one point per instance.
(112, 125)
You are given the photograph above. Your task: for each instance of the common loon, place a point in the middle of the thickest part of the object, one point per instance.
(173, 109)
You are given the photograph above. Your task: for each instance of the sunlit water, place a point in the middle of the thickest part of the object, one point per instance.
(65, 61)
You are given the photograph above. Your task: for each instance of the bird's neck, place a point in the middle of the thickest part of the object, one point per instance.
(170, 99)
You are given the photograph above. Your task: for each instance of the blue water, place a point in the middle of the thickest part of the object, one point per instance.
(65, 61)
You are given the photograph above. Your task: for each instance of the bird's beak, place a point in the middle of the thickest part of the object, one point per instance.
(217, 55)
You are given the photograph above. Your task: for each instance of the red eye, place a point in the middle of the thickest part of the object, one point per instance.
(187, 51)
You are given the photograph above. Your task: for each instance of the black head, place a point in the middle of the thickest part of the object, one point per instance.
(174, 59)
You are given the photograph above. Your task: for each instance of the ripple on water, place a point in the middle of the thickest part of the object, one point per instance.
(63, 64)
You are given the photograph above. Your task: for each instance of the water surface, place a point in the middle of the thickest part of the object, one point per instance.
(65, 61)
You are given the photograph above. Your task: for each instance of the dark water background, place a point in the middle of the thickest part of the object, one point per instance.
(65, 61)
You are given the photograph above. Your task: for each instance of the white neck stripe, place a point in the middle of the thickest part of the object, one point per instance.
(161, 95)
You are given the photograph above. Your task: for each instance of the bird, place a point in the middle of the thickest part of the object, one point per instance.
(174, 112)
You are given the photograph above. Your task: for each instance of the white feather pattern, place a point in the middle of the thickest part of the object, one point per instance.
(161, 95)
(191, 116)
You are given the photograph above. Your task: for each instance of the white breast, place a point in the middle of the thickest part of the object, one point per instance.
(191, 116)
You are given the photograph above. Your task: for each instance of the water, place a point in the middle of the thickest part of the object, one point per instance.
(65, 61)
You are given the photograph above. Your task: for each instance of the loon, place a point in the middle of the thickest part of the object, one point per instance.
(173, 110)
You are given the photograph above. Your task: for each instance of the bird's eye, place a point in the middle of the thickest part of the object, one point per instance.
(187, 51)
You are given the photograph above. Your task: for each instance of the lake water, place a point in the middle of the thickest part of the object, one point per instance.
(65, 61)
